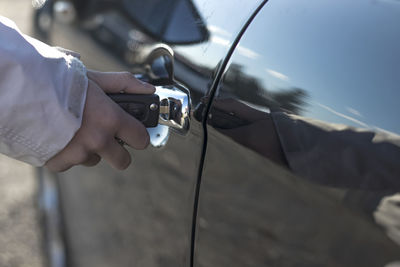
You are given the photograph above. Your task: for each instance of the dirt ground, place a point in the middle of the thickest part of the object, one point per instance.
(20, 234)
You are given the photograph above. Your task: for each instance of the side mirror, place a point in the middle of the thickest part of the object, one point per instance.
(169, 21)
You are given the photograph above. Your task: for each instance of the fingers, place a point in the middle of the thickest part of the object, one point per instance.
(55, 165)
(93, 160)
(132, 132)
(116, 155)
(102, 121)
(113, 152)
(115, 82)
(125, 127)
(71, 155)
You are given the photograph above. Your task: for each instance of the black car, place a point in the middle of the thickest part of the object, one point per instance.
(285, 151)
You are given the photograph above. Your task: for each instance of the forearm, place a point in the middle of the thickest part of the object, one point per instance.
(42, 96)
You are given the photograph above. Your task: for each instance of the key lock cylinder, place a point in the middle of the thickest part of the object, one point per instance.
(168, 109)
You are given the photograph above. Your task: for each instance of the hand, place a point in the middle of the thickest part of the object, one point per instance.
(102, 121)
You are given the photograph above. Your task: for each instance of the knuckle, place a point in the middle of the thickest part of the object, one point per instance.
(111, 117)
(98, 142)
(126, 75)
(102, 145)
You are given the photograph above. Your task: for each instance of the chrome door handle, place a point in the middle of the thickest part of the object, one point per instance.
(168, 108)
(174, 107)
(174, 115)
(170, 103)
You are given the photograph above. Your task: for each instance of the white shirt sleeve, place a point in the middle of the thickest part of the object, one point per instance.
(42, 96)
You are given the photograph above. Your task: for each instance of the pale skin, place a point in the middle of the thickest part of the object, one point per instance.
(102, 122)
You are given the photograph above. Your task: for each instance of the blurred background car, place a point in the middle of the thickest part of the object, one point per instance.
(292, 151)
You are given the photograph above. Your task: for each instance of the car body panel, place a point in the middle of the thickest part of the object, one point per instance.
(302, 158)
(143, 215)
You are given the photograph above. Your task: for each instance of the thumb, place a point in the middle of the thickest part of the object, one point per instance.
(115, 82)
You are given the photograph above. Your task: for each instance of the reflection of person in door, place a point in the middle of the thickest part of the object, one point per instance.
(363, 162)
(324, 153)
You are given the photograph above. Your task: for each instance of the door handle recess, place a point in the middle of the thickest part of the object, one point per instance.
(168, 108)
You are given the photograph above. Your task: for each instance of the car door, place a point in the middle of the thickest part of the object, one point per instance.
(141, 216)
(302, 160)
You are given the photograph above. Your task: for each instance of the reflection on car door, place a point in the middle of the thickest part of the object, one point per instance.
(143, 216)
(302, 158)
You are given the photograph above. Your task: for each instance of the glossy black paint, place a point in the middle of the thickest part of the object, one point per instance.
(304, 69)
(142, 216)
(302, 164)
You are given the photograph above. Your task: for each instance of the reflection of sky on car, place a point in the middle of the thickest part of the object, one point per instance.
(364, 81)
(223, 27)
